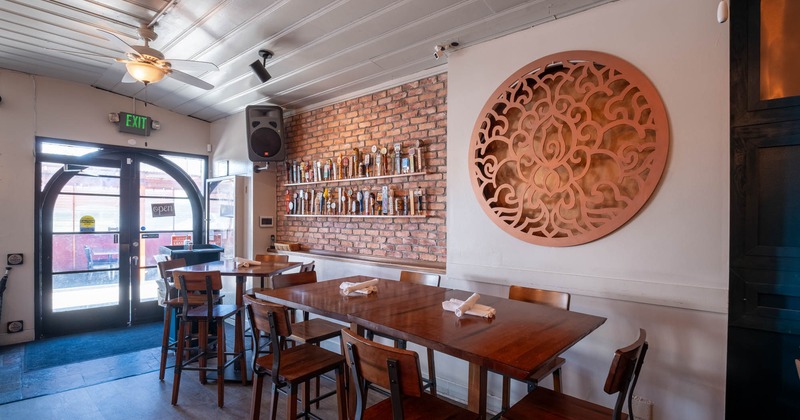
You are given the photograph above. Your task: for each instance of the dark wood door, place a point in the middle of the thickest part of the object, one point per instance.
(764, 296)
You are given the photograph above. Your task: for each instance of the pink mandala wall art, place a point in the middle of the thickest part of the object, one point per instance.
(569, 148)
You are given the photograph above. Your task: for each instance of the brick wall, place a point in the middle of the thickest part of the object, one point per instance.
(403, 114)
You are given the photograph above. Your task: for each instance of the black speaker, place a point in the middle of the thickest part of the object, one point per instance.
(265, 135)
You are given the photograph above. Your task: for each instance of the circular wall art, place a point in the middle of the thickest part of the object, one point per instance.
(569, 148)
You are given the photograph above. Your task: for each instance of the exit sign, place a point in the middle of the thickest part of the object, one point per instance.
(134, 124)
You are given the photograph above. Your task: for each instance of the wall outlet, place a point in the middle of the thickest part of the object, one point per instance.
(14, 327)
(642, 408)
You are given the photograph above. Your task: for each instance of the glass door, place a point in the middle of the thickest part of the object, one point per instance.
(82, 252)
(105, 214)
(169, 212)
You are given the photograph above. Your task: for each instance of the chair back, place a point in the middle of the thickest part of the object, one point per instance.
(268, 318)
(545, 297)
(420, 278)
(271, 258)
(624, 373)
(394, 369)
(88, 252)
(193, 282)
(307, 267)
(163, 266)
(293, 279)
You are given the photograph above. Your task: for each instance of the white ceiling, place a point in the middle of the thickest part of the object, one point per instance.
(324, 49)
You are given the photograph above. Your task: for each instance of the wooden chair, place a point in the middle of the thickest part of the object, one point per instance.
(308, 330)
(207, 282)
(288, 366)
(544, 297)
(420, 278)
(307, 267)
(543, 403)
(398, 371)
(270, 258)
(428, 280)
(312, 331)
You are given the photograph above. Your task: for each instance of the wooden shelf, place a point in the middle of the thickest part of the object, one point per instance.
(352, 216)
(348, 180)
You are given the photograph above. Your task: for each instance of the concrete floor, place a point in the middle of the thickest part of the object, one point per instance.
(145, 397)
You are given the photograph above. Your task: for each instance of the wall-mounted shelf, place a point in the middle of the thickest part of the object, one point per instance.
(348, 180)
(370, 216)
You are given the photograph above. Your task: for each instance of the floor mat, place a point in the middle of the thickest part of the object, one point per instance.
(50, 352)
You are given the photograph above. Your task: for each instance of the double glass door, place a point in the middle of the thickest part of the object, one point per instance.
(104, 217)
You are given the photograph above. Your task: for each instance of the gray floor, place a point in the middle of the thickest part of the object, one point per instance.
(145, 397)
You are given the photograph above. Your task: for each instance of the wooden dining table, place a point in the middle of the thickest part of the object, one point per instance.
(520, 338)
(230, 268)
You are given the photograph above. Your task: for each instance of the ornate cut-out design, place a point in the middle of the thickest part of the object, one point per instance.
(569, 148)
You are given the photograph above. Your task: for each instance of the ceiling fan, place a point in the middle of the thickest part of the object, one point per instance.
(148, 65)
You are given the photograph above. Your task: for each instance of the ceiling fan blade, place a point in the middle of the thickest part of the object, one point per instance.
(189, 79)
(118, 42)
(80, 53)
(192, 65)
(127, 78)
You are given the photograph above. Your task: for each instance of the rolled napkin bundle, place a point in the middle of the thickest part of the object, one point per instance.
(469, 307)
(365, 287)
(244, 262)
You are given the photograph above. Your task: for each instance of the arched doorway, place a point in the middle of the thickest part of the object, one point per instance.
(103, 214)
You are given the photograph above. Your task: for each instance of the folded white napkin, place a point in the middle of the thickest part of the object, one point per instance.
(469, 307)
(365, 287)
(244, 262)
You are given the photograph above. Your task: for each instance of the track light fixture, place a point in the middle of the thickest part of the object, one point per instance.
(438, 50)
(260, 68)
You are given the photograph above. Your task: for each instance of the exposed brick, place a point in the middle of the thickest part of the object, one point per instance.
(402, 114)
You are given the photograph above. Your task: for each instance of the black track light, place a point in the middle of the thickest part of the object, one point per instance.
(259, 67)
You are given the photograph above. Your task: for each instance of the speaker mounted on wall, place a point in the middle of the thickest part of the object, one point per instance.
(265, 134)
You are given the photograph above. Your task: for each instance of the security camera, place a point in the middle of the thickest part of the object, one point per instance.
(438, 51)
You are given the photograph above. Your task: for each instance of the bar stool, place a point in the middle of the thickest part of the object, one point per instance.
(174, 303)
(543, 297)
(208, 282)
(288, 367)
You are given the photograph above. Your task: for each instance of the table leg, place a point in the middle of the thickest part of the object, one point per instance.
(238, 343)
(476, 399)
(234, 371)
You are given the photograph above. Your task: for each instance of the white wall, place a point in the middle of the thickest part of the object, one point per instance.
(40, 106)
(229, 141)
(666, 270)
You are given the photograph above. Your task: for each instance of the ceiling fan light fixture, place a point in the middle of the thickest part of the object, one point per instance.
(144, 72)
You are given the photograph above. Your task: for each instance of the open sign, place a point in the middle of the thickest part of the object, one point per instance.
(163, 210)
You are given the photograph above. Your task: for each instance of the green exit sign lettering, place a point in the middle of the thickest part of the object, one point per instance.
(134, 124)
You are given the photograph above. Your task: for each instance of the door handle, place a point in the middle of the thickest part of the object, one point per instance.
(134, 261)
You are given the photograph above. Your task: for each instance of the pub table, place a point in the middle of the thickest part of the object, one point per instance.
(229, 268)
(521, 337)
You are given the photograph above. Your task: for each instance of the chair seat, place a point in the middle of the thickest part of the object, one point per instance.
(218, 311)
(194, 300)
(543, 403)
(315, 330)
(425, 407)
(303, 362)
